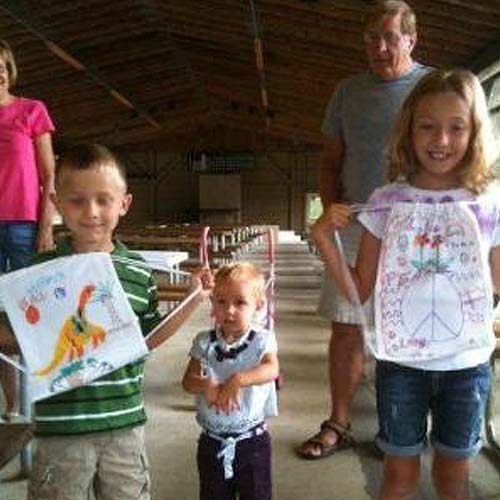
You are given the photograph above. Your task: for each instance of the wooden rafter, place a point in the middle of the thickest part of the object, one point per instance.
(63, 54)
(191, 64)
(259, 62)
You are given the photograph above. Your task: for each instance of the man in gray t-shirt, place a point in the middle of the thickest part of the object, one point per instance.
(356, 128)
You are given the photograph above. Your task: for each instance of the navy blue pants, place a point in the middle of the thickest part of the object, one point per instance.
(252, 470)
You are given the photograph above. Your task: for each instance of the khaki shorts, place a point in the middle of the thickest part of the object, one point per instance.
(333, 305)
(111, 465)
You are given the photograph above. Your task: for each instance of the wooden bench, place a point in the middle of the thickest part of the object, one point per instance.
(225, 243)
(172, 293)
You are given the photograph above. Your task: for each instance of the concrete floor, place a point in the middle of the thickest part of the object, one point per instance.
(303, 338)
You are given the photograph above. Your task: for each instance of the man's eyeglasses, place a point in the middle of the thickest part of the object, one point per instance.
(390, 38)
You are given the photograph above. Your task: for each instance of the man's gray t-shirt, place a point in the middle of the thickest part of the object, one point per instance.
(361, 113)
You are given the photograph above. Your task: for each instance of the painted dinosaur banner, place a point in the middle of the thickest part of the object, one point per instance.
(72, 320)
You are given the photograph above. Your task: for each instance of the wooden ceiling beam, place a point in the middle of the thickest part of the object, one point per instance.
(486, 61)
(177, 57)
(258, 46)
(97, 39)
(89, 128)
(97, 14)
(151, 9)
(324, 57)
(92, 111)
(37, 78)
(208, 14)
(277, 129)
(134, 133)
(447, 9)
(190, 31)
(341, 36)
(283, 115)
(125, 51)
(236, 96)
(484, 7)
(430, 26)
(12, 10)
(67, 9)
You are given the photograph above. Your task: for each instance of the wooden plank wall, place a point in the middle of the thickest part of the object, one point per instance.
(272, 193)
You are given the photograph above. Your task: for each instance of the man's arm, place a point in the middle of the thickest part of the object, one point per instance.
(330, 171)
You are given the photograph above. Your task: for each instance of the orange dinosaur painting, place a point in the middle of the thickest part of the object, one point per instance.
(76, 333)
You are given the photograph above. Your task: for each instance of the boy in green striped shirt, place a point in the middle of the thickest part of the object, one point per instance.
(91, 439)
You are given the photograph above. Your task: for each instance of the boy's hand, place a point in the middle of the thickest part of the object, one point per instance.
(229, 396)
(204, 277)
(336, 216)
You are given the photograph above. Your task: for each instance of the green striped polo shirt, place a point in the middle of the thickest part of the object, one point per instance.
(114, 401)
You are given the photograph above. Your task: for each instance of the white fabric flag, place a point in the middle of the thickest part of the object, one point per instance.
(431, 297)
(72, 320)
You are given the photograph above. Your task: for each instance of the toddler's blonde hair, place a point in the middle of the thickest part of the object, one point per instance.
(242, 271)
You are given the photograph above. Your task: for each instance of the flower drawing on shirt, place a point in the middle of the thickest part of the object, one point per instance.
(434, 243)
(421, 240)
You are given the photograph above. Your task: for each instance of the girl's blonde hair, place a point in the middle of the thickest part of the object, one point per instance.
(475, 170)
(242, 271)
(8, 56)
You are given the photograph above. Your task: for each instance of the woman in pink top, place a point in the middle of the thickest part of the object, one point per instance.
(26, 182)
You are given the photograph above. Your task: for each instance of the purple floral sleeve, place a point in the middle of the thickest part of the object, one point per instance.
(375, 217)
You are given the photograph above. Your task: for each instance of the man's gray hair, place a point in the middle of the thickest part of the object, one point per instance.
(392, 8)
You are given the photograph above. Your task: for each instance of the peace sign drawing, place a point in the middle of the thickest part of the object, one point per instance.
(431, 300)
(439, 318)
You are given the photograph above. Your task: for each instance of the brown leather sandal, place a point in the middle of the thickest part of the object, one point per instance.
(344, 440)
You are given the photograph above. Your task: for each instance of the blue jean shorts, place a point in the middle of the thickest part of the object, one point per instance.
(455, 400)
(17, 244)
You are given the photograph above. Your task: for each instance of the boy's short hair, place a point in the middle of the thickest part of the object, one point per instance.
(242, 271)
(10, 63)
(88, 157)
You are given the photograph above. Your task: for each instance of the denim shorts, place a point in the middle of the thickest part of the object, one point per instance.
(455, 400)
(17, 244)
